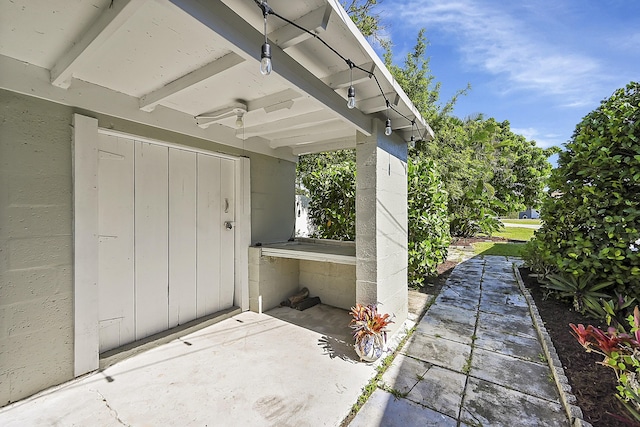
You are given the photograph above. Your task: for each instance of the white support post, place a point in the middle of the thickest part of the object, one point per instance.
(85, 234)
(381, 223)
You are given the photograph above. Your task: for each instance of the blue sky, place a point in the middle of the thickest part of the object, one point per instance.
(542, 65)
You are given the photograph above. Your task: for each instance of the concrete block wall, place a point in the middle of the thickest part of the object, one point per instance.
(334, 283)
(36, 252)
(271, 279)
(36, 226)
(381, 223)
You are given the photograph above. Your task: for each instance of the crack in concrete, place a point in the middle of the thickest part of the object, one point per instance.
(112, 411)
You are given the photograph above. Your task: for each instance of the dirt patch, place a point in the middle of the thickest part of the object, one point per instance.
(593, 385)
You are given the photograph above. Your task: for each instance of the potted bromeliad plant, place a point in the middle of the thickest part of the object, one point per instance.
(369, 331)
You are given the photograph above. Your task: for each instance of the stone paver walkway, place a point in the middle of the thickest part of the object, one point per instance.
(475, 359)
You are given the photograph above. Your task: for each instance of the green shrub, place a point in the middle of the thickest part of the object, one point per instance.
(429, 237)
(592, 225)
(583, 291)
(332, 205)
(534, 256)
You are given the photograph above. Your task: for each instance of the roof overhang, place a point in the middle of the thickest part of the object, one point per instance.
(165, 62)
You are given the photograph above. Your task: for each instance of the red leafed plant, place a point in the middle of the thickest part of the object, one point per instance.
(367, 321)
(621, 352)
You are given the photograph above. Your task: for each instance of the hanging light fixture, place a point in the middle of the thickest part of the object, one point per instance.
(265, 55)
(351, 93)
(387, 128)
(239, 119)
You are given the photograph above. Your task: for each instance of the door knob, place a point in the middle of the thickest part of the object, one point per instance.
(228, 225)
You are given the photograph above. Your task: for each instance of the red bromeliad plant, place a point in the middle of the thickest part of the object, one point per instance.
(621, 352)
(367, 321)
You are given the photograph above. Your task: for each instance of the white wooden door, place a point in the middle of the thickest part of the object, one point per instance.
(115, 241)
(165, 254)
(182, 237)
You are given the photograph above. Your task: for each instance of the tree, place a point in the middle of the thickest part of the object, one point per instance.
(520, 169)
(591, 224)
(363, 15)
(419, 84)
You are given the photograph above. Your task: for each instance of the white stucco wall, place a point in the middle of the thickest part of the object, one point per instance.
(36, 249)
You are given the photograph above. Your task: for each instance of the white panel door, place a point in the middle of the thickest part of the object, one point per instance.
(182, 237)
(209, 227)
(151, 238)
(227, 238)
(165, 254)
(115, 242)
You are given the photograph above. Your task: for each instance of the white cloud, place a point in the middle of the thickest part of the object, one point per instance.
(543, 140)
(502, 45)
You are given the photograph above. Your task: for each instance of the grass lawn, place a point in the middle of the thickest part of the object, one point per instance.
(520, 234)
(503, 249)
(516, 233)
(522, 221)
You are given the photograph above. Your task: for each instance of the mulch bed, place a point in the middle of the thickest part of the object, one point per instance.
(593, 385)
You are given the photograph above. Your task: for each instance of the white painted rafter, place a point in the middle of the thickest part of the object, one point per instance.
(247, 40)
(289, 35)
(377, 103)
(310, 134)
(342, 79)
(90, 42)
(330, 145)
(290, 123)
(149, 101)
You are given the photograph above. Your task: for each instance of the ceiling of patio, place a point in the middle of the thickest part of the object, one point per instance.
(201, 58)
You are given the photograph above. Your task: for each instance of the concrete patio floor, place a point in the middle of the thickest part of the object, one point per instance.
(475, 359)
(249, 370)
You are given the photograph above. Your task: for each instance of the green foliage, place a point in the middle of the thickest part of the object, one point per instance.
(534, 256)
(330, 180)
(583, 291)
(592, 224)
(614, 311)
(429, 237)
(474, 213)
(362, 14)
(419, 84)
(488, 171)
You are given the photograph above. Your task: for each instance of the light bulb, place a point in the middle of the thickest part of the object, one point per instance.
(265, 61)
(387, 129)
(239, 122)
(351, 98)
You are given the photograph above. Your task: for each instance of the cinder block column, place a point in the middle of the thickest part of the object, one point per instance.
(381, 223)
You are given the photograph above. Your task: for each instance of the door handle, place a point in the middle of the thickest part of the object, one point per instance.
(228, 225)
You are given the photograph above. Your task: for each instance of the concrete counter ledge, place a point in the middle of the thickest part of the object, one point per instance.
(313, 250)
(278, 270)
